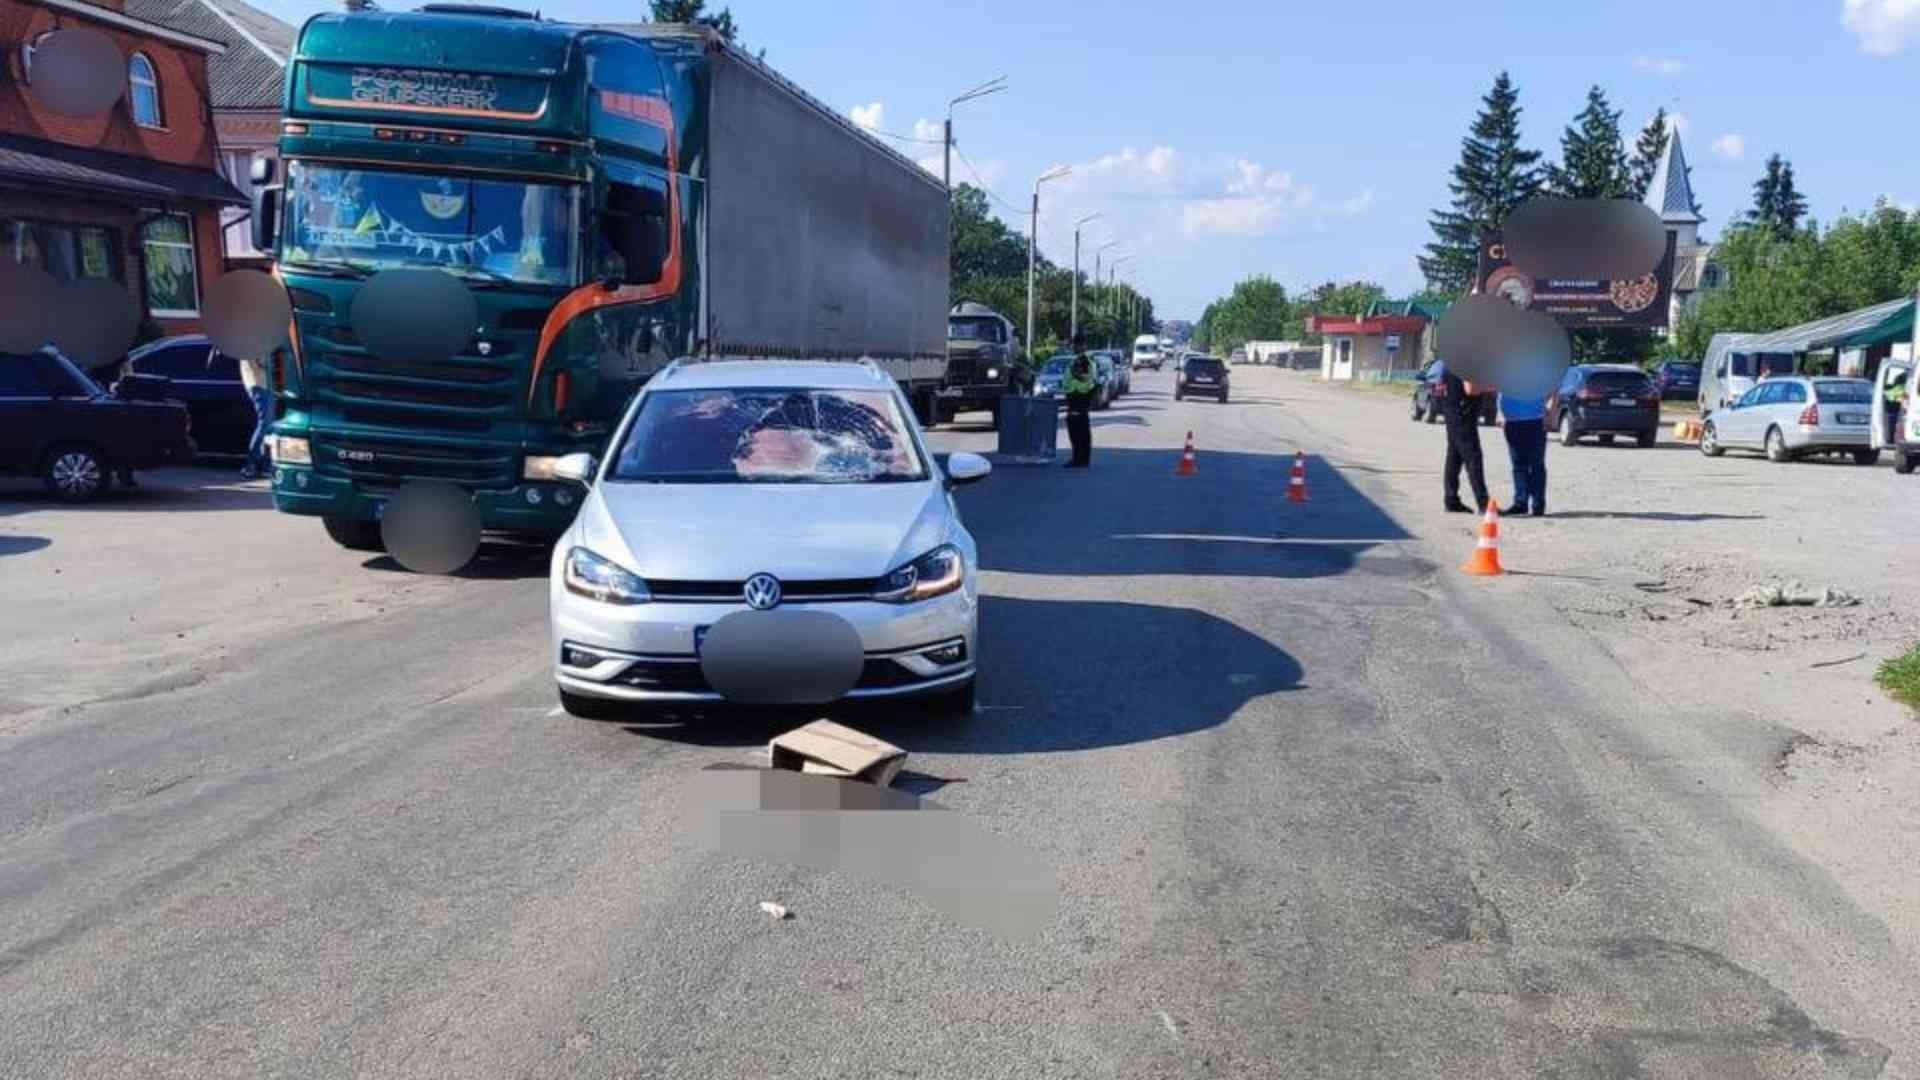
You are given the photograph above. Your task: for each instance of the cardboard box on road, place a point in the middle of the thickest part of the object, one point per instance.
(831, 749)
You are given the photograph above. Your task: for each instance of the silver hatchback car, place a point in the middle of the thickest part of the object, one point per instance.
(1791, 417)
(786, 513)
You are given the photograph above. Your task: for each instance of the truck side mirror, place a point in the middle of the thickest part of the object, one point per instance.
(260, 171)
(264, 222)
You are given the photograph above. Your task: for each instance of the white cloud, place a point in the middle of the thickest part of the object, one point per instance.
(1239, 215)
(1732, 146)
(1659, 65)
(1358, 205)
(928, 130)
(1884, 27)
(1677, 121)
(869, 116)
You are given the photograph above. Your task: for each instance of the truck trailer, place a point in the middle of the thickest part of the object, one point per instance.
(613, 197)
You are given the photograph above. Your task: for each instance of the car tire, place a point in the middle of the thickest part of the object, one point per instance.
(1569, 436)
(76, 472)
(591, 708)
(1903, 463)
(1646, 439)
(1418, 412)
(953, 704)
(1776, 444)
(1433, 411)
(1866, 457)
(1710, 441)
(1176, 396)
(353, 534)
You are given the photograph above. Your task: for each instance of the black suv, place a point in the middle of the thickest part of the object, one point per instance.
(57, 423)
(1677, 380)
(1607, 400)
(1428, 388)
(1202, 375)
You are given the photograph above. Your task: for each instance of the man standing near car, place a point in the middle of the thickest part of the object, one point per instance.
(253, 375)
(1461, 409)
(1078, 385)
(1525, 410)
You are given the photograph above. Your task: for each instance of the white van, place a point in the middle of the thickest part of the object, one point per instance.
(1905, 442)
(1730, 369)
(1146, 351)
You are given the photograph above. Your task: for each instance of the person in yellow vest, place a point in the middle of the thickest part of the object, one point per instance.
(1078, 385)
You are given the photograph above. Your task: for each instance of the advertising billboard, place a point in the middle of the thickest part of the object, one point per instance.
(1638, 302)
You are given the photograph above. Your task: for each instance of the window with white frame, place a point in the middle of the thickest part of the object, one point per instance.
(143, 92)
(172, 285)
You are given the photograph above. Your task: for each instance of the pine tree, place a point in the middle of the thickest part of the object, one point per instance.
(1646, 153)
(694, 11)
(1777, 205)
(1493, 177)
(1593, 164)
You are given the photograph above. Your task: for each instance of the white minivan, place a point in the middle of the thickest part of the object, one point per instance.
(1146, 351)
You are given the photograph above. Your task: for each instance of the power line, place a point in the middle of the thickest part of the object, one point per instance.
(902, 138)
(982, 183)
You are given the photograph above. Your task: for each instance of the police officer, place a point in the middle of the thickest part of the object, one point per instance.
(1461, 410)
(1078, 386)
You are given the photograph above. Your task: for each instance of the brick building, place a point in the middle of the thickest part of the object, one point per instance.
(131, 193)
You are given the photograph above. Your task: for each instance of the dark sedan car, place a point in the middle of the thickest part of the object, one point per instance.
(1607, 400)
(207, 382)
(1676, 380)
(58, 424)
(1427, 390)
(1202, 376)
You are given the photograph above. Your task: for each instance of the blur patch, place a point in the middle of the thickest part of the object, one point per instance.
(973, 877)
(78, 72)
(1585, 239)
(423, 316)
(1486, 339)
(782, 657)
(431, 527)
(28, 296)
(246, 313)
(94, 321)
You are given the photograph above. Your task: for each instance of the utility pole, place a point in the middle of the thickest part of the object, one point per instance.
(1033, 230)
(1102, 305)
(1113, 270)
(991, 86)
(1073, 320)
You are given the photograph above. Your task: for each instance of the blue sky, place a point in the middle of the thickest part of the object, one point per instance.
(1308, 141)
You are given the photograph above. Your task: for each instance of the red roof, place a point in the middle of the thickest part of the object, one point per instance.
(1356, 324)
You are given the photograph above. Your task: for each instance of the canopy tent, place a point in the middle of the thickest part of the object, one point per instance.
(1880, 324)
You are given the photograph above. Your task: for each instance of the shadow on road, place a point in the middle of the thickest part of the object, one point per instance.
(173, 489)
(1654, 515)
(20, 545)
(1048, 683)
(498, 560)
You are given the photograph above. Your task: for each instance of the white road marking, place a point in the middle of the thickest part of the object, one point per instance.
(1166, 1021)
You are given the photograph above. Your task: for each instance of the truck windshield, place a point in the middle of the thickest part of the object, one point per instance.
(369, 220)
(973, 330)
(782, 436)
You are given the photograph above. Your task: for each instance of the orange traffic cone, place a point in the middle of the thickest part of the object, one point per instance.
(1486, 554)
(1187, 466)
(1297, 485)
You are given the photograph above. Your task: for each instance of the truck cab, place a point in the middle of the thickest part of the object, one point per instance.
(983, 362)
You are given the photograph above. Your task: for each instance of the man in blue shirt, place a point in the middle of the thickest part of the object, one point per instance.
(1524, 404)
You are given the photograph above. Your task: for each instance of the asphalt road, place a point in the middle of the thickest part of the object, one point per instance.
(268, 807)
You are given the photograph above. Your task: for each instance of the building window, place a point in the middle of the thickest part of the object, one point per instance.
(143, 91)
(1710, 277)
(171, 285)
(65, 252)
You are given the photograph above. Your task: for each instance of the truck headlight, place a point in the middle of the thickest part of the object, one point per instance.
(993, 373)
(538, 467)
(936, 573)
(595, 578)
(292, 450)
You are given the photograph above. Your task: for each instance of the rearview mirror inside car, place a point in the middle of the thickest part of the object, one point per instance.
(578, 468)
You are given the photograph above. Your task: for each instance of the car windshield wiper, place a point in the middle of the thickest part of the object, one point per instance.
(352, 271)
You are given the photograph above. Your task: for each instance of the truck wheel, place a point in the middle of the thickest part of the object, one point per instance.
(590, 708)
(76, 472)
(926, 410)
(354, 535)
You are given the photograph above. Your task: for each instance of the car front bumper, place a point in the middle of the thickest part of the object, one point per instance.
(647, 651)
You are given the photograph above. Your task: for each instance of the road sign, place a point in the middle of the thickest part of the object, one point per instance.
(1393, 342)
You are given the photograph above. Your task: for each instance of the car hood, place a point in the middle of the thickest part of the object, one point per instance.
(796, 532)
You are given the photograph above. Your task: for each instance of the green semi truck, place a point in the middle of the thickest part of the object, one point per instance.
(613, 197)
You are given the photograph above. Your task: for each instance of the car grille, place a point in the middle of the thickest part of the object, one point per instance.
(823, 590)
(682, 675)
(393, 461)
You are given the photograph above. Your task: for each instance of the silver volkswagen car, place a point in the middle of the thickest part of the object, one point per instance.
(786, 514)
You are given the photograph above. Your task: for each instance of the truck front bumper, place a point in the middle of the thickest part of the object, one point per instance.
(541, 508)
(970, 398)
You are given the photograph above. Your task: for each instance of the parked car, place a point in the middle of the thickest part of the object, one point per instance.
(1204, 376)
(1607, 400)
(208, 382)
(1791, 417)
(58, 424)
(1122, 371)
(860, 530)
(1108, 380)
(1677, 380)
(1428, 387)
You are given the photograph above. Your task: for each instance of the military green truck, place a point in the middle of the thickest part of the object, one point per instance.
(983, 362)
(613, 197)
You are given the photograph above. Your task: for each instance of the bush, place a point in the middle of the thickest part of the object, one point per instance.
(1900, 678)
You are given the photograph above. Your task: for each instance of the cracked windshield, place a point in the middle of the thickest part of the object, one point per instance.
(721, 539)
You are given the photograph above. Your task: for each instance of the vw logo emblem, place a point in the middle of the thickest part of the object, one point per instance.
(763, 591)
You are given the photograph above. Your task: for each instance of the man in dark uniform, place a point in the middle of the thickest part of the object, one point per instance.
(1078, 386)
(1461, 410)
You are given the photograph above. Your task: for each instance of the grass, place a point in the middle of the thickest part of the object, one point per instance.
(1900, 678)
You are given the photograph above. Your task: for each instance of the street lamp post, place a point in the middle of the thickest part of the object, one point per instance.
(991, 86)
(1033, 228)
(1096, 274)
(1113, 269)
(1073, 320)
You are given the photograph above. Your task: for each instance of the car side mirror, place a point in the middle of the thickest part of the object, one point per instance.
(965, 468)
(578, 468)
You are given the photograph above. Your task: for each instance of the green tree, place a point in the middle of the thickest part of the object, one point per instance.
(1646, 154)
(1493, 177)
(1330, 298)
(1777, 205)
(1256, 310)
(694, 12)
(1593, 164)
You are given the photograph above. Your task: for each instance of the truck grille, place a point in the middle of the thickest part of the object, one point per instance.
(383, 461)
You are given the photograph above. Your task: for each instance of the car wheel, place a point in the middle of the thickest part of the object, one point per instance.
(76, 472)
(1710, 441)
(1223, 398)
(1433, 411)
(1866, 457)
(954, 704)
(1777, 451)
(1417, 411)
(995, 414)
(1646, 439)
(354, 535)
(1176, 395)
(591, 708)
(1903, 463)
(1568, 436)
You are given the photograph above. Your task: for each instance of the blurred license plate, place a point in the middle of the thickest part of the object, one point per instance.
(1623, 403)
(1852, 418)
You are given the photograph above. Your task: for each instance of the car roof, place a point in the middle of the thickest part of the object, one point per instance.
(1609, 367)
(796, 374)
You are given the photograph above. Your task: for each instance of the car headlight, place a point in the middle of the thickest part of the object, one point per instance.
(291, 450)
(936, 573)
(993, 373)
(595, 578)
(538, 467)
